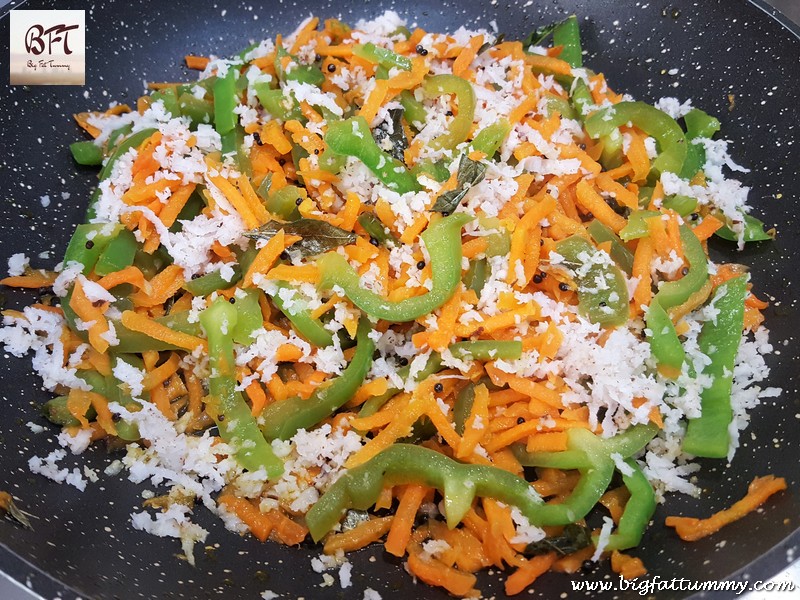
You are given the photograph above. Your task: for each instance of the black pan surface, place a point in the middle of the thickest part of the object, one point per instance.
(82, 543)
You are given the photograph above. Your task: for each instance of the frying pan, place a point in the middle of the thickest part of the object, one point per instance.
(82, 543)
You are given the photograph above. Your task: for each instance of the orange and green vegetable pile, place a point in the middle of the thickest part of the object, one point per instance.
(448, 293)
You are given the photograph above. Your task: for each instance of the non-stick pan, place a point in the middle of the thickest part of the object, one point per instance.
(732, 57)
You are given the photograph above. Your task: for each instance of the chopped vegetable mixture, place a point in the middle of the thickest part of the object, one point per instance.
(374, 284)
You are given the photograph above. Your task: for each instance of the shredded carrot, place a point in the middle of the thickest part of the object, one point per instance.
(359, 536)
(707, 227)
(137, 322)
(32, 280)
(593, 202)
(400, 531)
(525, 575)
(198, 63)
(91, 313)
(690, 529)
(267, 256)
(302, 273)
(435, 572)
(162, 287)
(466, 56)
(629, 567)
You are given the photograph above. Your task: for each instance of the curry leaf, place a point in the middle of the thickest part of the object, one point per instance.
(540, 34)
(574, 537)
(317, 236)
(753, 231)
(375, 229)
(7, 505)
(487, 45)
(390, 135)
(470, 173)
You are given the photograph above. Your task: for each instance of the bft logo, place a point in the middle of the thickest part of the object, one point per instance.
(37, 35)
(48, 47)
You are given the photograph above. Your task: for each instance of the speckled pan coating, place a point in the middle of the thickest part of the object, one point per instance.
(82, 542)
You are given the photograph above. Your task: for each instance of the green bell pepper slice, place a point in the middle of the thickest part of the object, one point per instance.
(352, 137)
(307, 326)
(283, 203)
(567, 34)
(281, 420)
(211, 282)
(434, 169)
(658, 124)
(414, 110)
(661, 334)
(236, 424)
(199, 111)
(382, 56)
(637, 225)
(225, 101)
(476, 275)
(619, 253)
(460, 483)
(118, 254)
(487, 350)
(299, 72)
(489, 139)
(55, 410)
(86, 153)
(88, 243)
(708, 434)
(275, 103)
(683, 205)
(698, 125)
(359, 487)
(443, 242)
(606, 304)
(638, 510)
(461, 125)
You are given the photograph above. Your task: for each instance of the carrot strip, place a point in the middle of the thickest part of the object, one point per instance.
(161, 373)
(629, 567)
(400, 531)
(707, 227)
(528, 573)
(198, 63)
(435, 572)
(129, 274)
(691, 529)
(258, 398)
(266, 257)
(234, 196)
(143, 324)
(359, 537)
(260, 524)
(467, 55)
(642, 259)
(89, 313)
(163, 286)
(477, 423)
(78, 402)
(33, 280)
(637, 155)
(375, 100)
(302, 273)
(593, 202)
